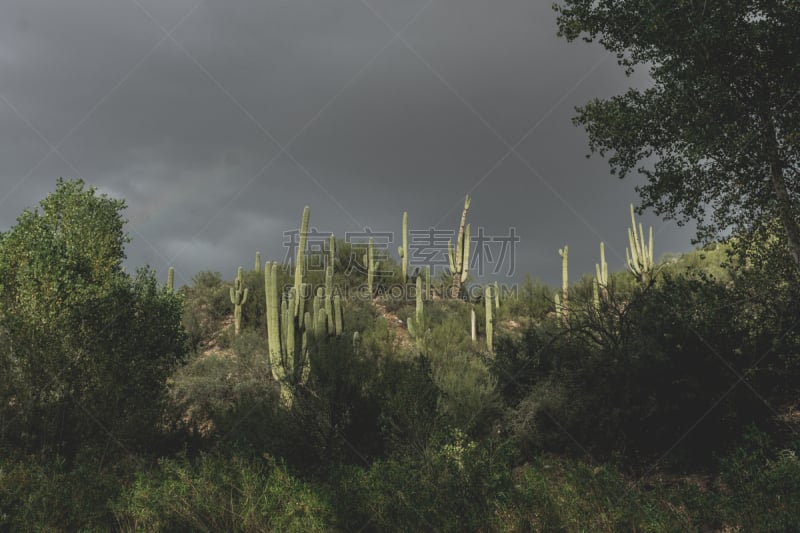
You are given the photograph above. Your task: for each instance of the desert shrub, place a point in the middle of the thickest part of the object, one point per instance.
(763, 486)
(533, 299)
(220, 493)
(206, 304)
(468, 398)
(640, 374)
(552, 494)
(455, 484)
(218, 399)
(59, 495)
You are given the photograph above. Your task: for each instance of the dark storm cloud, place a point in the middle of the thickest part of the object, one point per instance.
(189, 127)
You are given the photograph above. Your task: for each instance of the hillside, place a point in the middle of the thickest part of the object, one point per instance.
(660, 398)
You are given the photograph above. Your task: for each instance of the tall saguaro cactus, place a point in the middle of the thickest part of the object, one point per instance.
(258, 262)
(371, 264)
(459, 256)
(563, 303)
(171, 279)
(640, 253)
(299, 267)
(601, 273)
(428, 293)
(417, 324)
(238, 298)
(488, 296)
(292, 328)
(403, 250)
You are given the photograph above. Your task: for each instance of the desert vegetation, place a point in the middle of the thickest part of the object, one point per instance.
(659, 398)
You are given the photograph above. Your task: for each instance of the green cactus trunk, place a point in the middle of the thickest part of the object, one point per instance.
(238, 298)
(299, 267)
(403, 250)
(171, 279)
(459, 256)
(372, 266)
(564, 283)
(273, 320)
(489, 319)
(416, 326)
(640, 254)
(332, 251)
(337, 315)
(258, 262)
(601, 274)
(428, 295)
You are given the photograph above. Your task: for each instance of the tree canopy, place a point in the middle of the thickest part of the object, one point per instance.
(716, 135)
(86, 348)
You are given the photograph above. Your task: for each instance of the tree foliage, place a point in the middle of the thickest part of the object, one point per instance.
(86, 347)
(718, 129)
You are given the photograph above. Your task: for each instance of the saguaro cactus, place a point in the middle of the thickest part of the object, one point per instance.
(299, 267)
(337, 315)
(459, 256)
(257, 266)
(288, 339)
(332, 251)
(403, 250)
(488, 295)
(371, 264)
(291, 327)
(601, 273)
(640, 253)
(564, 302)
(171, 279)
(238, 298)
(416, 325)
(428, 293)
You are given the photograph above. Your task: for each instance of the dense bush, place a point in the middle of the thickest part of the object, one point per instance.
(657, 370)
(87, 347)
(221, 493)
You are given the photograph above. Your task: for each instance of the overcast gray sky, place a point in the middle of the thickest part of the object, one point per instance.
(218, 120)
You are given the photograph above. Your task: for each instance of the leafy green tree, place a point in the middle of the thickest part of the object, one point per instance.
(718, 129)
(87, 348)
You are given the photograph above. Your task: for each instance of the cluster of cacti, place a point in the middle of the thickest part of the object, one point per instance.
(291, 327)
(238, 298)
(640, 253)
(403, 250)
(459, 256)
(488, 296)
(288, 358)
(416, 326)
(371, 264)
(562, 300)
